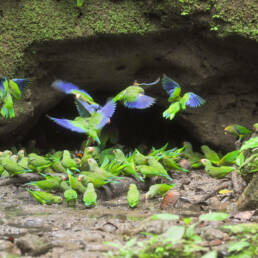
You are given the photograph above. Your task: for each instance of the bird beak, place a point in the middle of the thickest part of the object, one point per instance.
(109, 121)
(77, 96)
(135, 83)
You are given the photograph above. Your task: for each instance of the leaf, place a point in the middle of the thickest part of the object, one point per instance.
(251, 143)
(242, 228)
(174, 234)
(214, 216)
(164, 216)
(240, 159)
(131, 242)
(212, 254)
(237, 246)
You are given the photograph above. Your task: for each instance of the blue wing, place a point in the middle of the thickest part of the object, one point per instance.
(22, 83)
(107, 112)
(67, 87)
(84, 107)
(67, 124)
(141, 102)
(151, 83)
(194, 100)
(169, 85)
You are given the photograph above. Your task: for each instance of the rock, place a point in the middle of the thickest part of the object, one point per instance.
(33, 245)
(211, 234)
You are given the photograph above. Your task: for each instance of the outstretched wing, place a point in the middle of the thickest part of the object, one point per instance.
(68, 124)
(169, 85)
(84, 108)
(141, 102)
(193, 100)
(69, 88)
(107, 112)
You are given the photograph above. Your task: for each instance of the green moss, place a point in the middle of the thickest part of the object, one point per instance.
(36, 21)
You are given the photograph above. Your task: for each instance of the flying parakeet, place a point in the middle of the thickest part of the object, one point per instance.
(237, 130)
(217, 172)
(89, 125)
(157, 190)
(133, 196)
(173, 89)
(70, 88)
(90, 196)
(133, 96)
(45, 198)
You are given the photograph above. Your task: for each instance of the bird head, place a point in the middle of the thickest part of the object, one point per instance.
(81, 177)
(205, 161)
(135, 83)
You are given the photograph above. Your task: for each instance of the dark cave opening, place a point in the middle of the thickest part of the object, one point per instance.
(135, 127)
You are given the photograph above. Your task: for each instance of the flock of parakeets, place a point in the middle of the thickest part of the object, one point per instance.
(69, 176)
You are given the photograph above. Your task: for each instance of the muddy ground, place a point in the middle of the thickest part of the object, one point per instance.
(30, 229)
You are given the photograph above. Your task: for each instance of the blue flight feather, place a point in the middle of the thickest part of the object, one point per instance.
(194, 100)
(67, 87)
(141, 102)
(67, 124)
(107, 111)
(88, 107)
(169, 85)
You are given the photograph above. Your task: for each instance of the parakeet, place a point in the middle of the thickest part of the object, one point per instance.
(90, 196)
(237, 130)
(171, 163)
(191, 155)
(173, 89)
(148, 171)
(70, 88)
(48, 184)
(9, 88)
(210, 154)
(80, 3)
(89, 125)
(157, 189)
(217, 172)
(68, 162)
(133, 196)
(76, 184)
(139, 158)
(45, 198)
(38, 163)
(70, 196)
(133, 96)
(12, 167)
(96, 179)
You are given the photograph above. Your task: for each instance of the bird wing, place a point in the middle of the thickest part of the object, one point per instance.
(141, 102)
(169, 85)
(119, 96)
(84, 109)
(22, 83)
(68, 124)
(69, 88)
(193, 100)
(107, 111)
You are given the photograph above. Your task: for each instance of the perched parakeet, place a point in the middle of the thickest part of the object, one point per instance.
(148, 171)
(210, 154)
(157, 190)
(217, 172)
(12, 167)
(45, 198)
(48, 184)
(64, 186)
(38, 163)
(133, 196)
(229, 158)
(70, 196)
(133, 96)
(70, 88)
(237, 130)
(170, 163)
(191, 155)
(139, 158)
(90, 196)
(89, 125)
(76, 184)
(68, 162)
(173, 89)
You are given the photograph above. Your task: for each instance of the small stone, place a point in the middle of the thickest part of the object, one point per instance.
(211, 234)
(169, 199)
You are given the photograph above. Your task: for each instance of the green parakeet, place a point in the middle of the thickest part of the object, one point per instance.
(191, 155)
(139, 158)
(217, 172)
(12, 167)
(70, 196)
(210, 154)
(68, 162)
(133, 96)
(38, 163)
(76, 184)
(133, 196)
(45, 198)
(173, 89)
(80, 3)
(157, 190)
(90, 196)
(237, 130)
(49, 184)
(148, 171)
